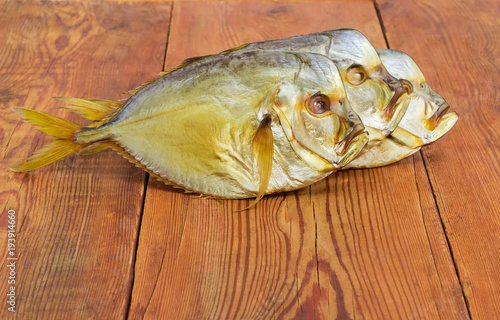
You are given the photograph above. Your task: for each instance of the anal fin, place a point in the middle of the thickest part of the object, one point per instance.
(96, 147)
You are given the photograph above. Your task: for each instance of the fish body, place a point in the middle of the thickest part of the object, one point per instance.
(425, 120)
(222, 126)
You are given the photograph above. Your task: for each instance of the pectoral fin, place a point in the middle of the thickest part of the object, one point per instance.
(263, 149)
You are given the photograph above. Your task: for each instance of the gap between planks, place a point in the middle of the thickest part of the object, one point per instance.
(443, 228)
(448, 244)
(146, 181)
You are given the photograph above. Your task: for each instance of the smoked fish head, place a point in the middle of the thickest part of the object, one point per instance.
(426, 120)
(427, 117)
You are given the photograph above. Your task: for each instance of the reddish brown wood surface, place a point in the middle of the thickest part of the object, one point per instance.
(77, 220)
(369, 244)
(459, 51)
(354, 245)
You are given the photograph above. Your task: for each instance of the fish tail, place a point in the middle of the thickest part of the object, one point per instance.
(59, 128)
(66, 132)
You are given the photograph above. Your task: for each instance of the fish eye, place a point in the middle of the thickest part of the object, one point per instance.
(407, 84)
(319, 103)
(356, 75)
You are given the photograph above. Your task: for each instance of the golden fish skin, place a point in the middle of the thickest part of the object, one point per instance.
(196, 126)
(425, 120)
(378, 98)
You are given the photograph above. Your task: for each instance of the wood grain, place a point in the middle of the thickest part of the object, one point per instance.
(360, 244)
(459, 52)
(77, 220)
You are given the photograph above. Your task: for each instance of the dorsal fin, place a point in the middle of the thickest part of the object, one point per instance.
(134, 91)
(234, 49)
(92, 109)
(107, 103)
(191, 60)
(96, 147)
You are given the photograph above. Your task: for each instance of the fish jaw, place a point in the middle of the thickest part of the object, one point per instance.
(444, 125)
(373, 115)
(313, 160)
(398, 104)
(396, 111)
(337, 156)
(339, 147)
(396, 93)
(386, 152)
(426, 119)
(354, 148)
(406, 138)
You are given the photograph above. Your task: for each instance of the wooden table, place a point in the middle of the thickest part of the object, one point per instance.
(97, 238)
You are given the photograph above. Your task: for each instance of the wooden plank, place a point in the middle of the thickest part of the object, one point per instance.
(459, 53)
(174, 1)
(359, 244)
(77, 220)
(449, 298)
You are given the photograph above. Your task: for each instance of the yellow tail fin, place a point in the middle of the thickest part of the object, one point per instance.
(52, 152)
(97, 110)
(62, 129)
(53, 126)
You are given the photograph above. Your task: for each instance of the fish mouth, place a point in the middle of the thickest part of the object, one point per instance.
(356, 143)
(399, 90)
(342, 146)
(429, 131)
(434, 120)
